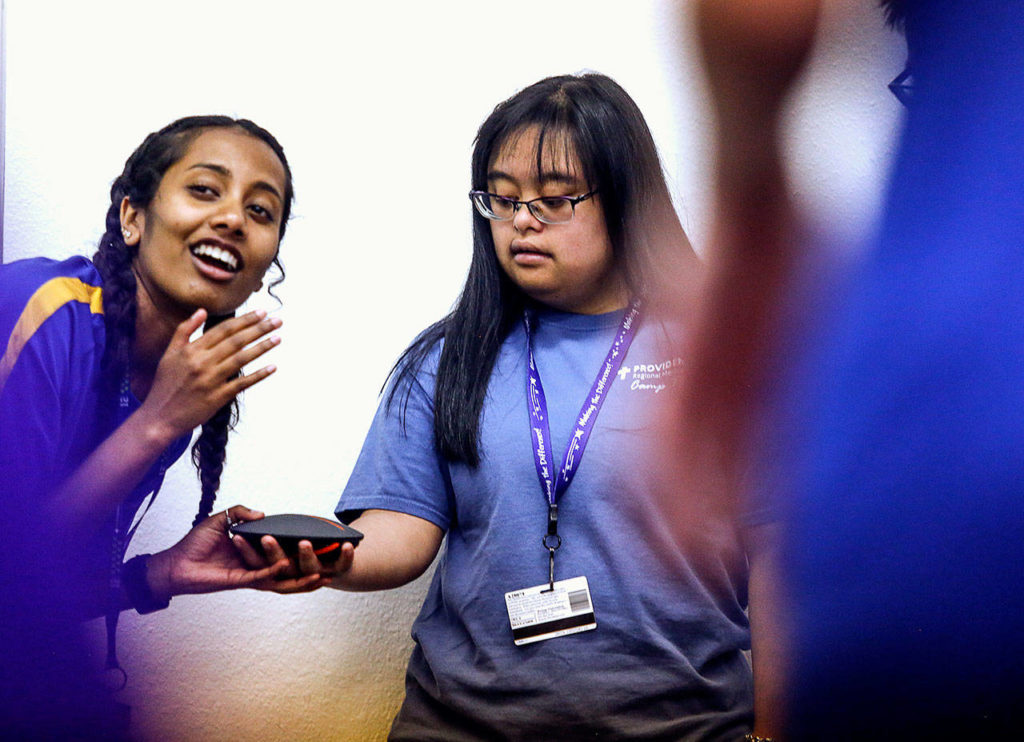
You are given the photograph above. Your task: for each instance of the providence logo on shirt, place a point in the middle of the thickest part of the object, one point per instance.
(651, 377)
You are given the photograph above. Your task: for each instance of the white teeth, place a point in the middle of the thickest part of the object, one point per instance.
(218, 254)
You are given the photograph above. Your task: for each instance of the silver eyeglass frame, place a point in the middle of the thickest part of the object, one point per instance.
(477, 197)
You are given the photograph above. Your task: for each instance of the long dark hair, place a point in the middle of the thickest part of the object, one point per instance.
(595, 119)
(139, 182)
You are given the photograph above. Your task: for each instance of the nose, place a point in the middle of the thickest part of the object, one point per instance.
(524, 219)
(231, 216)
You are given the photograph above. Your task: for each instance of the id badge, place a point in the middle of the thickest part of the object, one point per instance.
(539, 613)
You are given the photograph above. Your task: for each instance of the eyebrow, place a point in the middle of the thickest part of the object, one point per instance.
(548, 176)
(221, 170)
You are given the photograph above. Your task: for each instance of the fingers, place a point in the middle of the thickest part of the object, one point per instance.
(239, 345)
(234, 335)
(304, 573)
(184, 330)
(236, 362)
(307, 559)
(344, 562)
(217, 358)
(272, 550)
(228, 327)
(272, 554)
(286, 578)
(271, 566)
(304, 563)
(238, 513)
(240, 384)
(305, 584)
(252, 558)
(236, 347)
(265, 577)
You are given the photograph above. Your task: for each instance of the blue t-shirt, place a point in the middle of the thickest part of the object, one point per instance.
(666, 660)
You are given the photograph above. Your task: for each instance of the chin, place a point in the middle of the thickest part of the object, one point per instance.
(536, 290)
(221, 310)
(217, 306)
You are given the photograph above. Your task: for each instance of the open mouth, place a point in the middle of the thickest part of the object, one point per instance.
(217, 256)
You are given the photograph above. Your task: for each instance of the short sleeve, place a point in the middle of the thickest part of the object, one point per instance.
(51, 352)
(30, 415)
(399, 467)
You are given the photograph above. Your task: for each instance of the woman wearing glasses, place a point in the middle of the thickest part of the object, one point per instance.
(521, 426)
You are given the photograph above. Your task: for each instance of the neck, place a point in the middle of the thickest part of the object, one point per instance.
(615, 298)
(154, 329)
(588, 309)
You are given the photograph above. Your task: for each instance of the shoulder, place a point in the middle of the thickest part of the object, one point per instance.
(46, 302)
(419, 362)
(43, 283)
(39, 270)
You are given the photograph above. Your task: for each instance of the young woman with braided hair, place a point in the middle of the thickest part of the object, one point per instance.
(101, 388)
(114, 260)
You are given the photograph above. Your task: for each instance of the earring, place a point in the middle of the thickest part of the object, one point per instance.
(127, 233)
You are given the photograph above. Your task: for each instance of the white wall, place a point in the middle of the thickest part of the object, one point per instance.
(371, 101)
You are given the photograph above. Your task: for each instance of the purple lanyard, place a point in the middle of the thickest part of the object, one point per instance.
(554, 484)
(123, 532)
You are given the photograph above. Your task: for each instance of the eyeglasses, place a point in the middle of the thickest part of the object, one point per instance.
(547, 209)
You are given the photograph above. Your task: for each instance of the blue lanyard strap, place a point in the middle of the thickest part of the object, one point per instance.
(554, 484)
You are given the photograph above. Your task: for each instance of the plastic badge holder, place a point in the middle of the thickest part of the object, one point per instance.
(288, 529)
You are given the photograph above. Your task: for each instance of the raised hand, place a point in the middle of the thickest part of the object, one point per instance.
(195, 379)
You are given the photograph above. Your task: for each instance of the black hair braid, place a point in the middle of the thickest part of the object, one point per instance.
(114, 260)
(209, 452)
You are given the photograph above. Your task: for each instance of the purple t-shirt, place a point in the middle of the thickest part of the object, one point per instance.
(53, 408)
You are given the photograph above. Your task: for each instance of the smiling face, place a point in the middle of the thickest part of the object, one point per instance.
(570, 266)
(212, 229)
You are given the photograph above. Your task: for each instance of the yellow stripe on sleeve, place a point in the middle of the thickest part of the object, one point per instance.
(47, 299)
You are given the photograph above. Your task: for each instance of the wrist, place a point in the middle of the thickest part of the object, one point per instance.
(145, 583)
(151, 431)
(160, 575)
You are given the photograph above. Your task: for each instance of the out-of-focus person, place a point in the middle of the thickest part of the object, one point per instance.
(891, 454)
